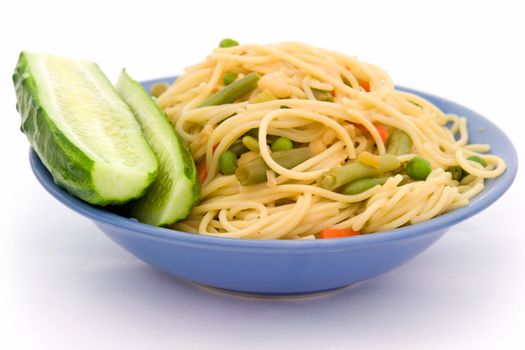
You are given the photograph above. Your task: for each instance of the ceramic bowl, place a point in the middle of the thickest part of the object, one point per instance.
(274, 267)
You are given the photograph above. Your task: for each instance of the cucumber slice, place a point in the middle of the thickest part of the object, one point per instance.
(176, 189)
(83, 132)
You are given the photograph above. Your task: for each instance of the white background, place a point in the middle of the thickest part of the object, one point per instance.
(63, 285)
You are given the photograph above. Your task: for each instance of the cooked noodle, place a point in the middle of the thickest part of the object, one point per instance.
(290, 205)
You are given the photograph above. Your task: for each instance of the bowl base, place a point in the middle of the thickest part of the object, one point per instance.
(253, 295)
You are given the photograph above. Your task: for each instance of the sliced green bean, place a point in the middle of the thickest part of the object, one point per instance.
(339, 176)
(361, 185)
(264, 96)
(399, 143)
(346, 81)
(253, 132)
(415, 104)
(323, 95)
(457, 172)
(238, 147)
(254, 171)
(233, 92)
(251, 142)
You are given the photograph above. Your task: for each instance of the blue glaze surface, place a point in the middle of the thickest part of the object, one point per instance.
(290, 267)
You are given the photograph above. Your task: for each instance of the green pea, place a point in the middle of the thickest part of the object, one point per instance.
(418, 168)
(228, 162)
(281, 144)
(229, 78)
(457, 172)
(478, 160)
(228, 43)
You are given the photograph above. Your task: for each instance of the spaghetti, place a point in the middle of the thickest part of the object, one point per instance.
(341, 112)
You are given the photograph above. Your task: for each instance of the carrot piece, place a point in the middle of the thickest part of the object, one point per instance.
(202, 170)
(383, 132)
(364, 84)
(360, 127)
(338, 233)
(381, 129)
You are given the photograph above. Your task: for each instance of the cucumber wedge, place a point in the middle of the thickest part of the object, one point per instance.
(83, 132)
(176, 189)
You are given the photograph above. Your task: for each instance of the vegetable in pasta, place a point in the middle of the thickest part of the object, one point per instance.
(298, 142)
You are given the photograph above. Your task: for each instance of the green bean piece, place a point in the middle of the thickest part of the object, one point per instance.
(253, 132)
(339, 176)
(228, 162)
(405, 180)
(323, 95)
(227, 42)
(415, 104)
(418, 168)
(158, 88)
(399, 143)
(254, 171)
(478, 159)
(361, 185)
(264, 96)
(238, 147)
(229, 78)
(251, 142)
(233, 92)
(346, 81)
(457, 172)
(281, 144)
(285, 107)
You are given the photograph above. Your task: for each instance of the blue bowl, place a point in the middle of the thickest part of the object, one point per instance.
(290, 267)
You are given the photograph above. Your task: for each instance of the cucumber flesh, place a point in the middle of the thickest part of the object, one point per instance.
(176, 189)
(83, 132)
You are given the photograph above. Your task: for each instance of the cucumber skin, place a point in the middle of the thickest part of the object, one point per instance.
(141, 208)
(68, 165)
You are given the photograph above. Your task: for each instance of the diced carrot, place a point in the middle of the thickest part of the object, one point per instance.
(364, 84)
(338, 233)
(202, 171)
(381, 129)
(360, 127)
(383, 132)
(332, 93)
(242, 53)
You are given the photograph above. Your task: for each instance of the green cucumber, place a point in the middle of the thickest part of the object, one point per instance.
(176, 189)
(83, 132)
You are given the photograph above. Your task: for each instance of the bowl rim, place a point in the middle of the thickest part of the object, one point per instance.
(442, 222)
